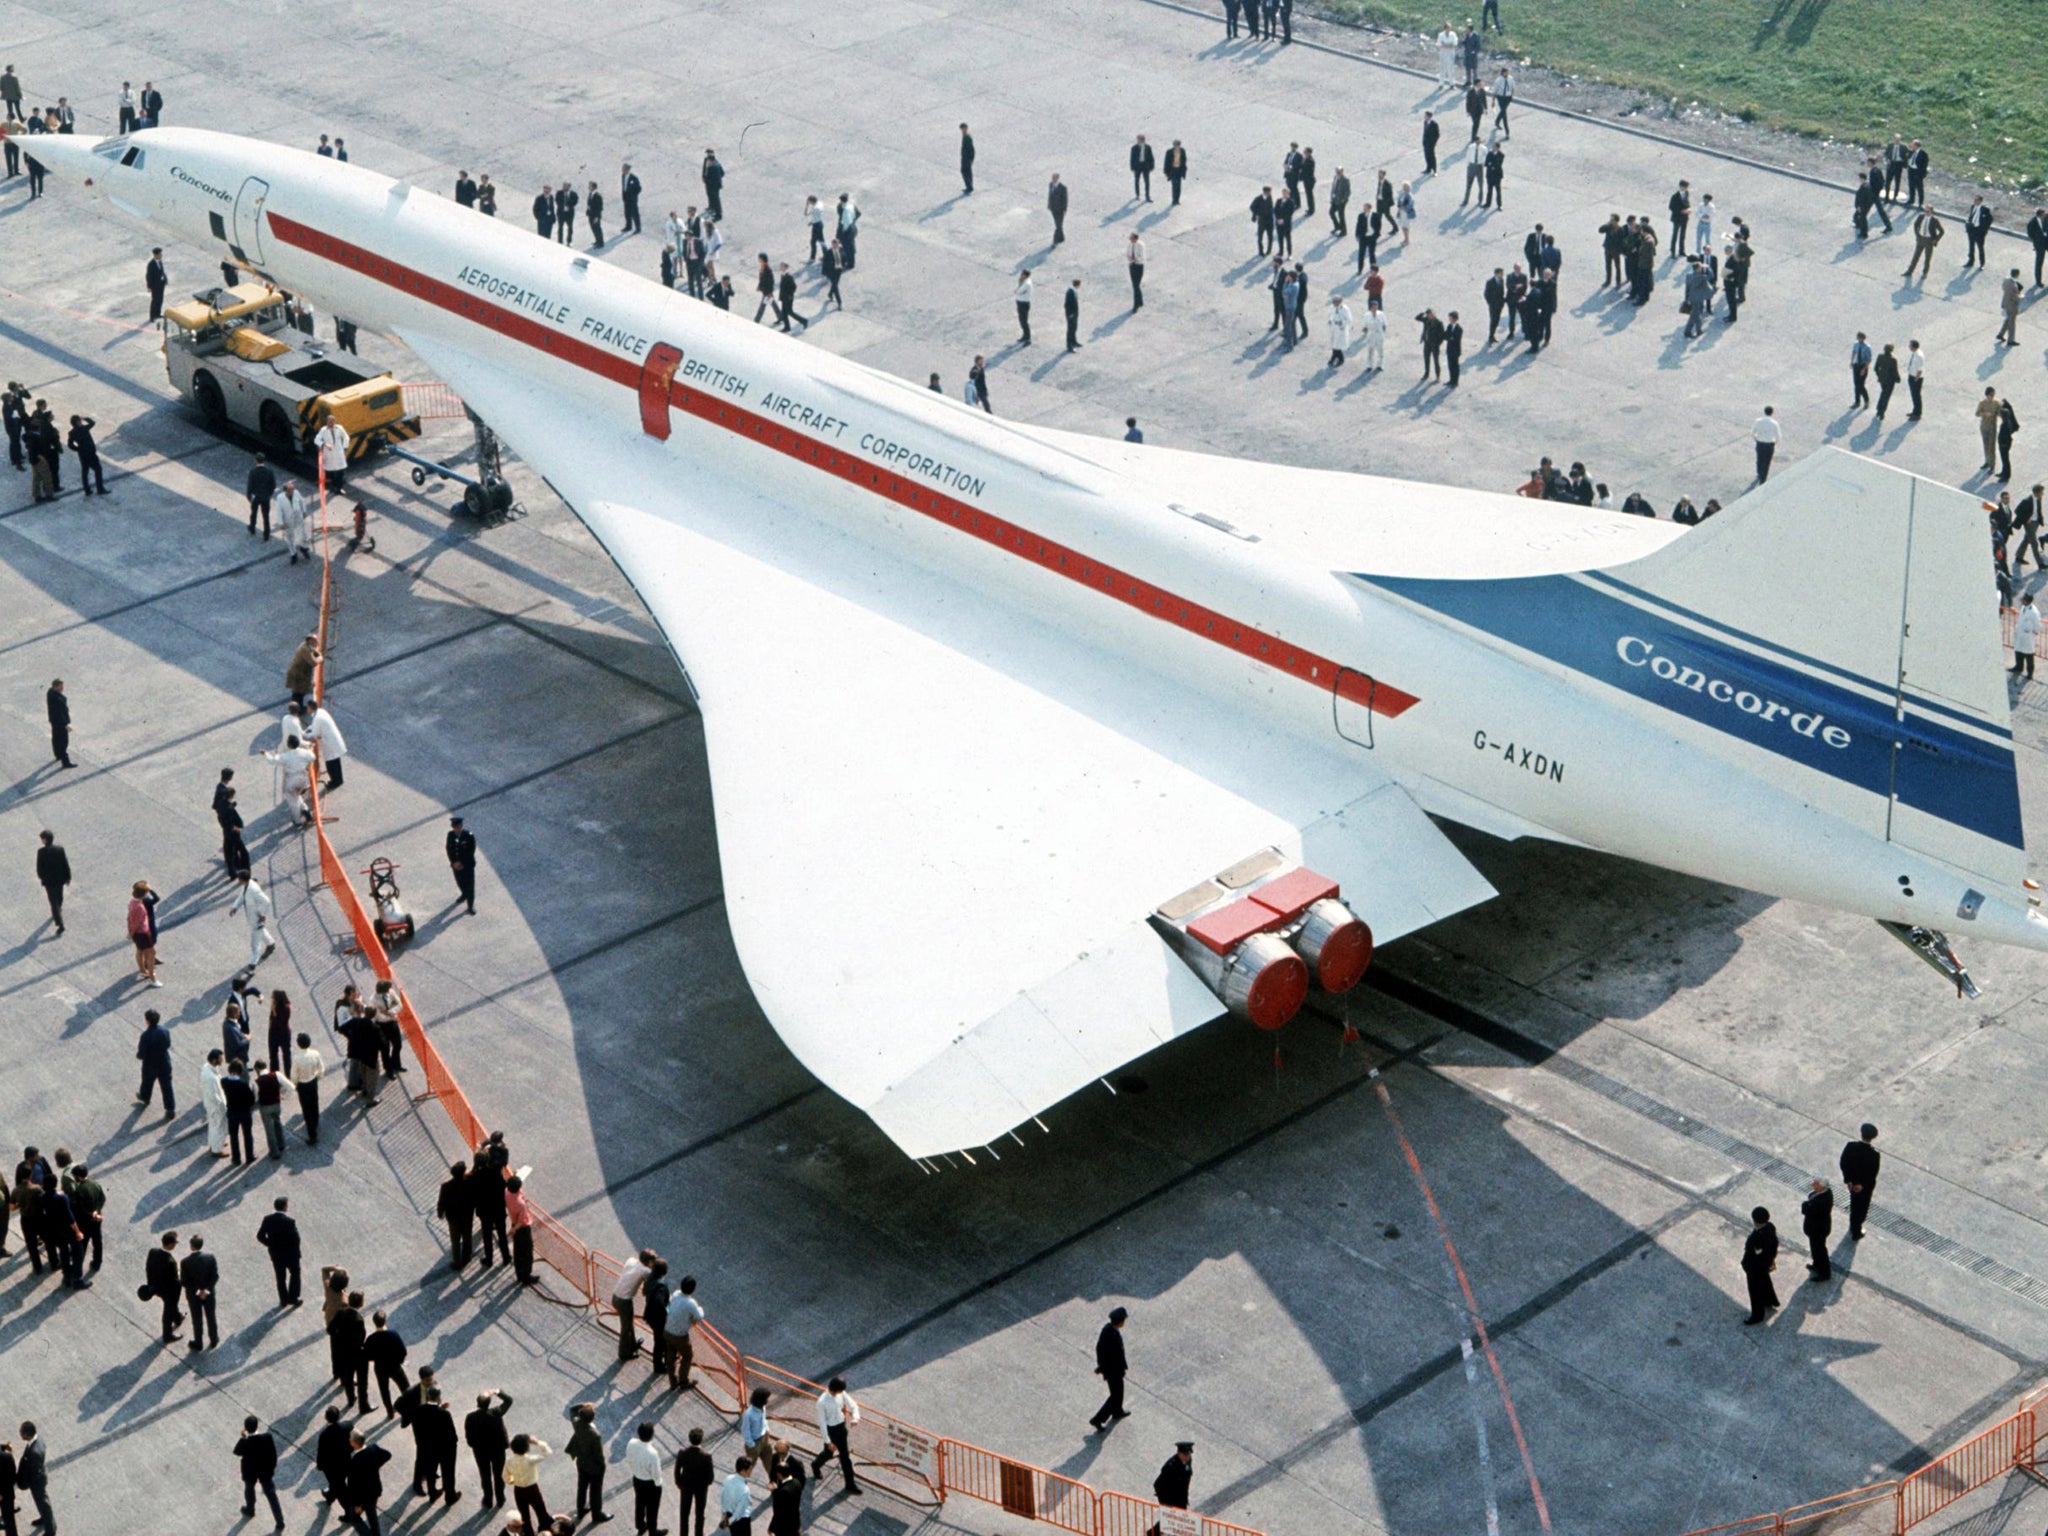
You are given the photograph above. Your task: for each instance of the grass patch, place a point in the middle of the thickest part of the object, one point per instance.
(1957, 74)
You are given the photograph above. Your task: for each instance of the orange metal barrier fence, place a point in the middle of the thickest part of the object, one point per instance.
(431, 400)
(898, 1456)
(1896, 1507)
(913, 1463)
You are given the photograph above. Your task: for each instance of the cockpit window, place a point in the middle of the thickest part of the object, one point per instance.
(107, 149)
(133, 158)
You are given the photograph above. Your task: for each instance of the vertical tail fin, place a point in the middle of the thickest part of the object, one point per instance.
(1866, 594)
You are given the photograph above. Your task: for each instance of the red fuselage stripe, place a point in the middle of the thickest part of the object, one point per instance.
(1132, 591)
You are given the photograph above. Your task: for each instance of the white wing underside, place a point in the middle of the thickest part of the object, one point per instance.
(942, 823)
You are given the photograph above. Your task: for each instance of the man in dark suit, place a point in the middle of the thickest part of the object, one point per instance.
(384, 1350)
(1112, 1367)
(1759, 1256)
(1072, 305)
(1454, 348)
(156, 279)
(1817, 1221)
(1176, 168)
(153, 1050)
(58, 708)
(462, 861)
(152, 104)
(345, 1335)
(465, 190)
(32, 1473)
(1142, 162)
(1055, 203)
(714, 185)
(92, 476)
(1860, 1161)
(279, 1234)
(1431, 132)
(2037, 236)
(1976, 226)
(53, 873)
(160, 1280)
(483, 1431)
(456, 1207)
(199, 1274)
(1873, 178)
(241, 1096)
(593, 213)
(1432, 343)
(544, 212)
(1681, 215)
(487, 1199)
(1262, 219)
(331, 1453)
(433, 1438)
(407, 1406)
(261, 486)
(365, 1487)
(629, 199)
(566, 199)
(695, 1473)
(1496, 301)
(257, 1452)
(966, 161)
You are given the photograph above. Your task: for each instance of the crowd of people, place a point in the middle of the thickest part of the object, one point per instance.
(36, 444)
(56, 1204)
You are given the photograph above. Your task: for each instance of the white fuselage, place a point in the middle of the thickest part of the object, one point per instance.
(1464, 719)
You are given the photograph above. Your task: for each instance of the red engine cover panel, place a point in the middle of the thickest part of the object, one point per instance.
(1294, 892)
(1231, 924)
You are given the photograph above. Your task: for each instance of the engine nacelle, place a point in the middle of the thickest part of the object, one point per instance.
(1259, 978)
(1336, 943)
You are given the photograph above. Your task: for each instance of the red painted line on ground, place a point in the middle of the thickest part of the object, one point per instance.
(1118, 585)
(1443, 1231)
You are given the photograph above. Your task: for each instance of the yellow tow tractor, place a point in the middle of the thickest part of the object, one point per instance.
(234, 353)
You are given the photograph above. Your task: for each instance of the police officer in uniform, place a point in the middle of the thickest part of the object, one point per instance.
(1170, 1487)
(1112, 1367)
(462, 860)
(1859, 1171)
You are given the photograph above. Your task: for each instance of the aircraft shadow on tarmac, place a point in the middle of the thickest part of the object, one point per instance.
(1259, 1218)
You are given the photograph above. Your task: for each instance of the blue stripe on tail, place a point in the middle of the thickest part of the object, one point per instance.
(1931, 766)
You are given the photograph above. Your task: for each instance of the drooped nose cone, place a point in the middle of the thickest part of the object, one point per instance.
(66, 156)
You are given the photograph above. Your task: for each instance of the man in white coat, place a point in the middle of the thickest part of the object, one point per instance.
(331, 442)
(214, 1100)
(291, 507)
(297, 764)
(324, 737)
(251, 902)
(1375, 340)
(1340, 330)
(1447, 55)
(2026, 634)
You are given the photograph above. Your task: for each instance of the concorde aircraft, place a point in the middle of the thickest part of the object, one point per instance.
(1031, 751)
